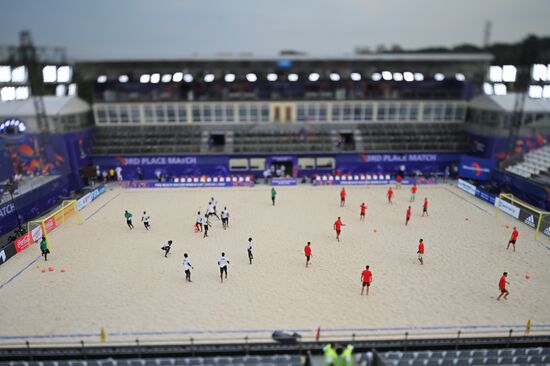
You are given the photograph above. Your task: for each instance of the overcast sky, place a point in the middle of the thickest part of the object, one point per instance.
(114, 29)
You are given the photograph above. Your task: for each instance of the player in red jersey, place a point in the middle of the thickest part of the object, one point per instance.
(420, 251)
(398, 180)
(390, 195)
(363, 211)
(413, 192)
(307, 252)
(425, 207)
(502, 286)
(338, 227)
(513, 239)
(343, 197)
(366, 279)
(408, 215)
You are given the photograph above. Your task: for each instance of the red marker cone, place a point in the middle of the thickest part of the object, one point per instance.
(62, 270)
(51, 269)
(527, 276)
(43, 270)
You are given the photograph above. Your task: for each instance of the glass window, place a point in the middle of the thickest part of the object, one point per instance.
(392, 112)
(428, 112)
(413, 112)
(254, 113)
(438, 112)
(306, 163)
(358, 112)
(403, 112)
(347, 112)
(206, 113)
(196, 113)
(265, 113)
(182, 113)
(148, 111)
(170, 113)
(257, 163)
(218, 113)
(382, 112)
(238, 164)
(229, 113)
(113, 114)
(368, 112)
(123, 110)
(243, 113)
(337, 112)
(161, 113)
(301, 113)
(312, 112)
(322, 112)
(449, 112)
(325, 163)
(134, 114)
(459, 113)
(101, 115)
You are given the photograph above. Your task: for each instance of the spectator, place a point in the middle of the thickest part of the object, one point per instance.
(139, 173)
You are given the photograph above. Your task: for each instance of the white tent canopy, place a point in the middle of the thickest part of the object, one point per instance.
(55, 106)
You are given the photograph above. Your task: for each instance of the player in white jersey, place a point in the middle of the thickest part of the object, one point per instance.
(205, 225)
(198, 222)
(222, 263)
(145, 219)
(249, 249)
(211, 210)
(166, 247)
(187, 267)
(225, 218)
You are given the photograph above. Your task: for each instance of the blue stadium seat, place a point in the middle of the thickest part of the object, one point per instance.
(536, 359)
(506, 360)
(506, 352)
(533, 351)
(478, 353)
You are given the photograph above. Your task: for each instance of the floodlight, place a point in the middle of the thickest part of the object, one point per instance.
(535, 91)
(22, 92)
(313, 76)
(408, 76)
(272, 77)
(439, 76)
(188, 78)
(500, 89)
(460, 77)
(539, 72)
(418, 76)
(292, 77)
(376, 76)
(73, 89)
(334, 76)
(251, 77)
(397, 76)
(386, 75)
(166, 78)
(145, 78)
(509, 73)
(155, 78)
(546, 91)
(7, 93)
(19, 74)
(229, 78)
(495, 74)
(487, 89)
(5, 74)
(177, 77)
(22, 127)
(355, 76)
(64, 74)
(102, 79)
(208, 78)
(123, 79)
(60, 90)
(49, 74)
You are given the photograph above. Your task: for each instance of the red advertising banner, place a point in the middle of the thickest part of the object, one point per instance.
(50, 224)
(22, 242)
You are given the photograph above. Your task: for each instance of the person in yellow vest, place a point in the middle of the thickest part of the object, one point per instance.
(346, 356)
(330, 356)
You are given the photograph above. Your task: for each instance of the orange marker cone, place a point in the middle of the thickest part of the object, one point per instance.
(43, 270)
(62, 270)
(51, 269)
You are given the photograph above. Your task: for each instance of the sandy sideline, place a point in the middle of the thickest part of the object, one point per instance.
(119, 279)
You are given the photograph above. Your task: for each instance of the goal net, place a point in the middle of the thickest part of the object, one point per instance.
(41, 228)
(526, 213)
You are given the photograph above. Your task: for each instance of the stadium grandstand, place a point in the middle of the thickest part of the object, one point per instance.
(72, 133)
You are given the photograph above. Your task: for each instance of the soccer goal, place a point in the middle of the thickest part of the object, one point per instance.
(529, 215)
(37, 229)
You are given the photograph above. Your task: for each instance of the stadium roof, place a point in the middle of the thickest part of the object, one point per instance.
(55, 106)
(418, 57)
(505, 103)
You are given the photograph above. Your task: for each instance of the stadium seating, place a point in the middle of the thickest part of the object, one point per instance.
(273, 360)
(157, 139)
(509, 356)
(535, 166)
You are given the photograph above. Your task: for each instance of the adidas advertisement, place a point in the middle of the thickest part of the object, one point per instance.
(529, 218)
(545, 225)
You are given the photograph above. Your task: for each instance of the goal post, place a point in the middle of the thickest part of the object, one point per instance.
(37, 229)
(528, 214)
